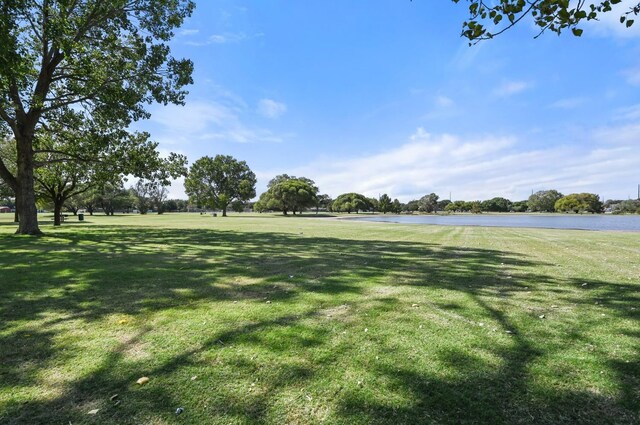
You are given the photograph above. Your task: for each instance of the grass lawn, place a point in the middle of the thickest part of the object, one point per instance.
(264, 319)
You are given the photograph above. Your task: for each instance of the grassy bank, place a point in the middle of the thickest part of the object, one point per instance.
(264, 319)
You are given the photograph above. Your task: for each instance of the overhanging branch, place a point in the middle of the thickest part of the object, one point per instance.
(8, 178)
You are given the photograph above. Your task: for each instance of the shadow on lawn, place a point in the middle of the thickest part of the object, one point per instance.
(136, 271)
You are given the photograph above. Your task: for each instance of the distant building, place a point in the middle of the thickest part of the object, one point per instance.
(4, 209)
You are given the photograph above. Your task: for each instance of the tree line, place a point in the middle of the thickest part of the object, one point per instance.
(218, 182)
(223, 182)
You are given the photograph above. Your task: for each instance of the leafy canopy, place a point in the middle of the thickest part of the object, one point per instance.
(348, 202)
(543, 201)
(384, 203)
(217, 182)
(548, 15)
(107, 57)
(579, 203)
(428, 203)
(288, 193)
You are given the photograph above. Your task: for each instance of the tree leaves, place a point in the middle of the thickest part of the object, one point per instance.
(102, 60)
(288, 193)
(348, 202)
(548, 15)
(216, 182)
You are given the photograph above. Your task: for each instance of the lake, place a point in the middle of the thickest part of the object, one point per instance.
(568, 221)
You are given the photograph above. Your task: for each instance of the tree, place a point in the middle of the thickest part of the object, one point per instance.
(74, 204)
(548, 15)
(520, 206)
(237, 206)
(412, 206)
(543, 201)
(372, 205)
(396, 207)
(5, 191)
(171, 205)
(60, 181)
(457, 206)
(77, 158)
(442, 204)
(141, 191)
(99, 59)
(348, 202)
(496, 205)
(8, 151)
(90, 200)
(151, 194)
(288, 194)
(474, 207)
(384, 203)
(428, 203)
(323, 201)
(6, 195)
(628, 206)
(284, 177)
(182, 204)
(175, 205)
(279, 179)
(217, 182)
(579, 203)
(158, 195)
(113, 197)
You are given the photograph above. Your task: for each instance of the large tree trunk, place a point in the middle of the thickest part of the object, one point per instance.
(224, 211)
(57, 210)
(25, 193)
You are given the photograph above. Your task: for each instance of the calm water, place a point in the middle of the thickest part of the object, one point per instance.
(585, 222)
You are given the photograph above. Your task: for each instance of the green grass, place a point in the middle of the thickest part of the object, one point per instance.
(300, 320)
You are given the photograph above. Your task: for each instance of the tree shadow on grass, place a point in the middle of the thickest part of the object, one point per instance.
(507, 393)
(137, 272)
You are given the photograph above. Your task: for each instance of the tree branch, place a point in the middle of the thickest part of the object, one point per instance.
(8, 119)
(69, 158)
(8, 178)
(512, 24)
(14, 94)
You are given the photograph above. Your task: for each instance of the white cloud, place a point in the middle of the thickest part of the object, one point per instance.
(224, 38)
(632, 76)
(444, 101)
(481, 167)
(443, 108)
(569, 103)
(176, 190)
(629, 113)
(188, 32)
(626, 135)
(227, 38)
(510, 88)
(200, 122)
(270, 108)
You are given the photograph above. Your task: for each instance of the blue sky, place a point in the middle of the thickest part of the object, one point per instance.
(384, 96)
